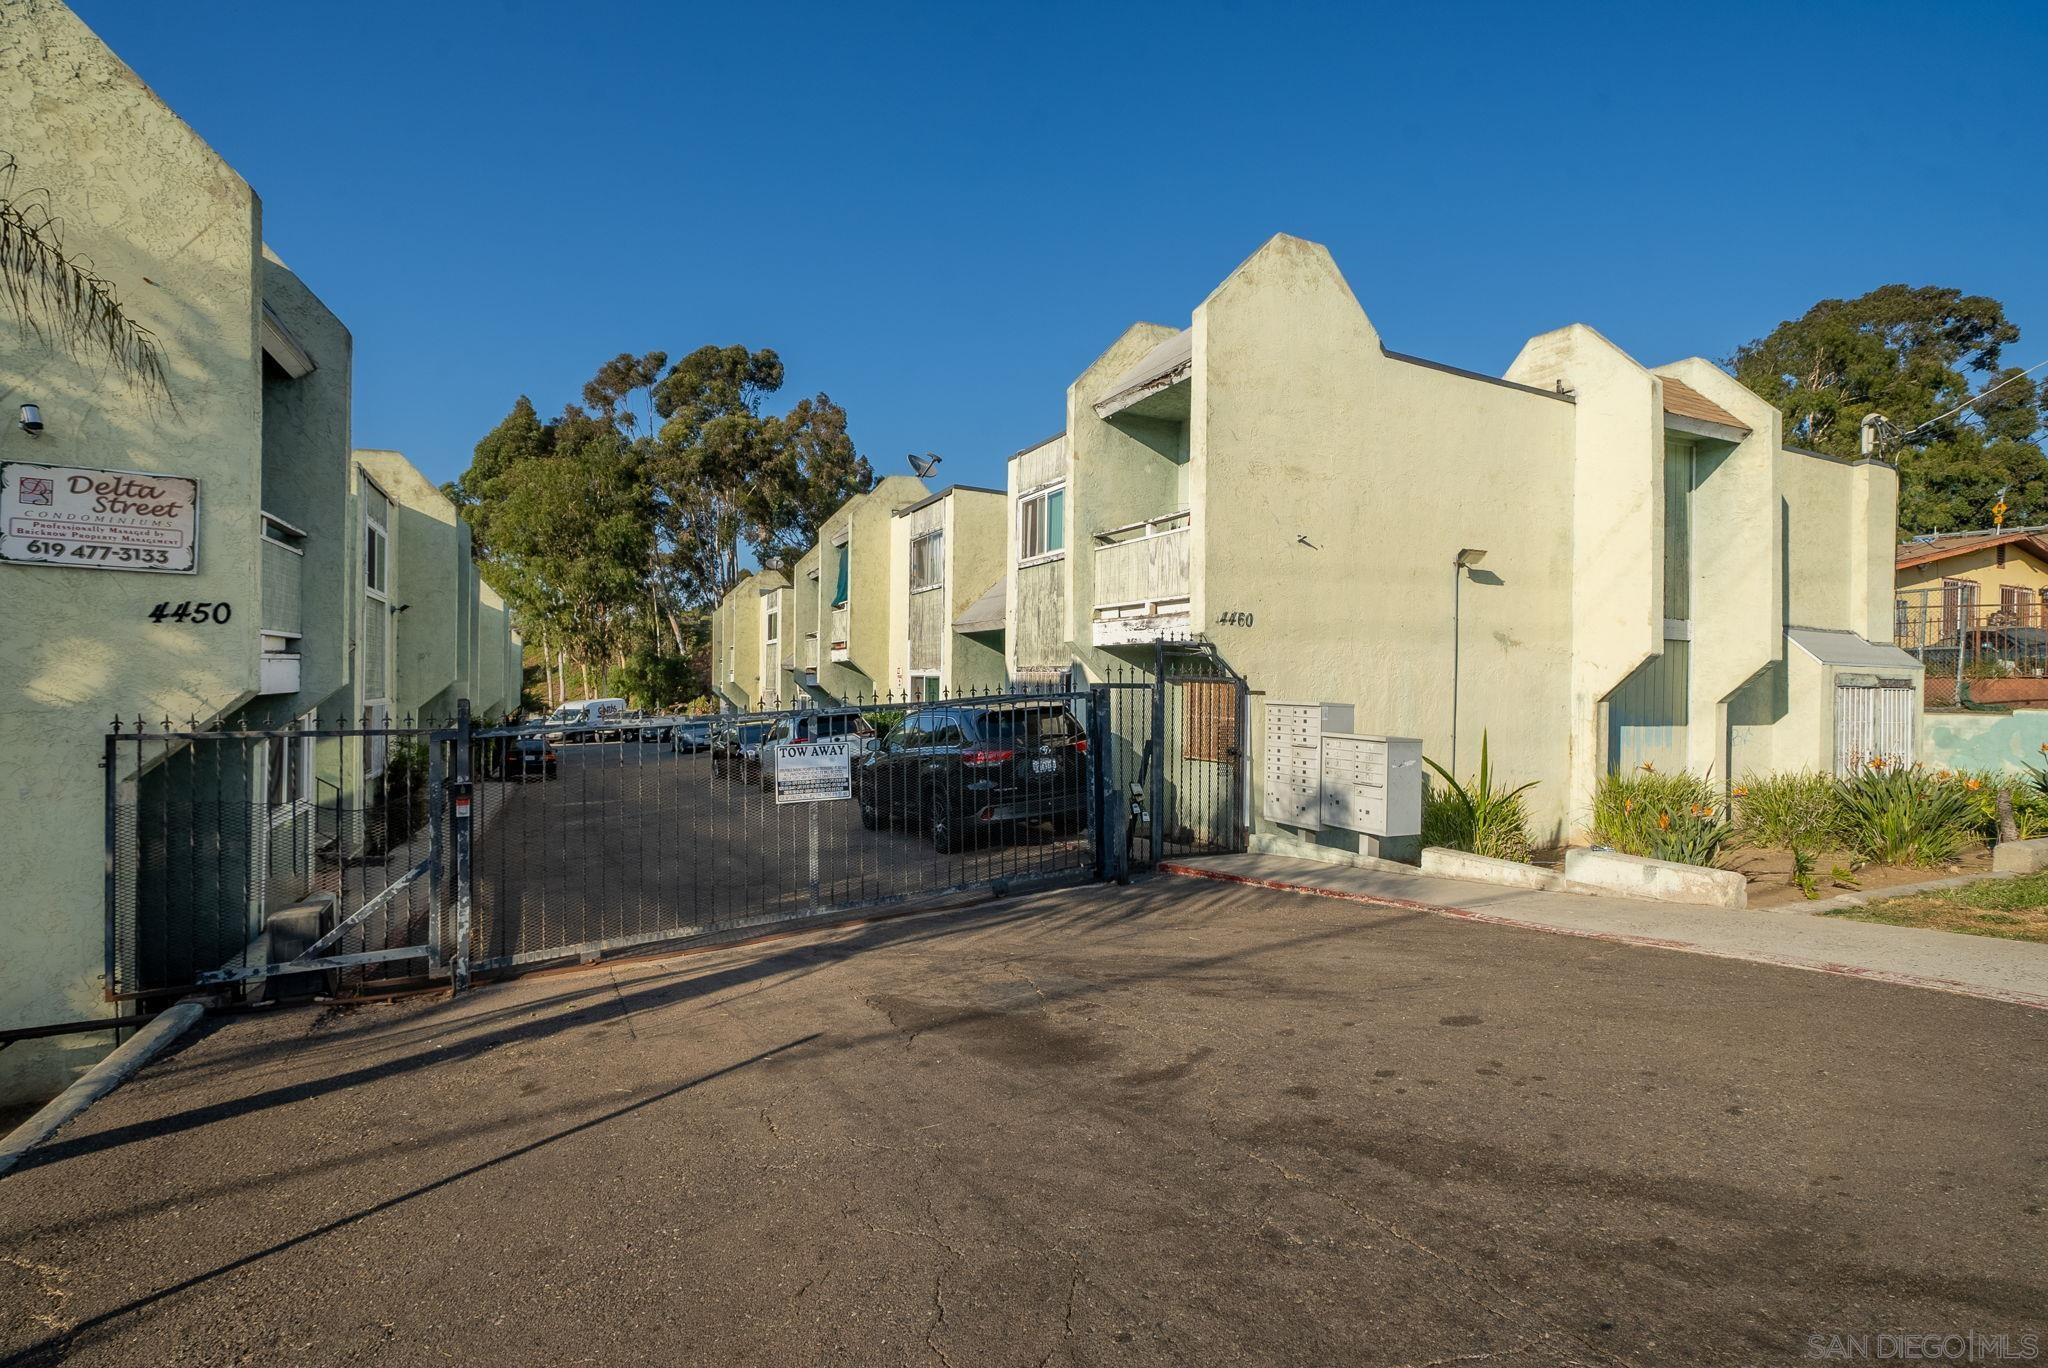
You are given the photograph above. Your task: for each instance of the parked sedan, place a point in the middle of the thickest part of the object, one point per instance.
(693, 734)
(736, 750)
(529, 754)
(961, 771)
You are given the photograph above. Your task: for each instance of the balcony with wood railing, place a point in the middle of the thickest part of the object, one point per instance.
(1143, 572)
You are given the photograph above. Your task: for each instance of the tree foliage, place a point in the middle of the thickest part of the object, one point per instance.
(614, 527)
(1912, 353)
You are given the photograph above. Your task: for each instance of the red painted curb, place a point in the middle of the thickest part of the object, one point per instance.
(1940, 985)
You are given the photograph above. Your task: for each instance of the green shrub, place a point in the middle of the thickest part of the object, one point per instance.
(1481, 817)
(1902, 814)
(1788, 811)
(1659, 816)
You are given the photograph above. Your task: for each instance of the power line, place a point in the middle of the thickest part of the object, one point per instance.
(2021, 375)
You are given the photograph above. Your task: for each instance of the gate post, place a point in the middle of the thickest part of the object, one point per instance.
(1157, 798)
(459, 794)
(1100, 773)
(437, 850)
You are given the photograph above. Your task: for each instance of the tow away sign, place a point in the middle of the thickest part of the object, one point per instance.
(814, 771)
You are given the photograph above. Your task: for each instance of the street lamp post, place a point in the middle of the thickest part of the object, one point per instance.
(1461, 565)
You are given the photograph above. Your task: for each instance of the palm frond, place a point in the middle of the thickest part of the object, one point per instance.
(62, 300)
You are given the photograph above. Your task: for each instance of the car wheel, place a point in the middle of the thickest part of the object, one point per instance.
(939, 823)
(870, 814)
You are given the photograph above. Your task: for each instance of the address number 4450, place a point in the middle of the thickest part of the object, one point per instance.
(188, 611)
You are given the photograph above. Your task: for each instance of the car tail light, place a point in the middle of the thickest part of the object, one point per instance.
(1081, 744)
(986, 755)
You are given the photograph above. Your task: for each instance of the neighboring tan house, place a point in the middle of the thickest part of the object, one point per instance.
(1946, 578)
(854, 611)
(946, 555)
(1637, 544)
(220, 592)
(1973, 606)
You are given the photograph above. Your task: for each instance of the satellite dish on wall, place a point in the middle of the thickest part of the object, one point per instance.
(924, 465)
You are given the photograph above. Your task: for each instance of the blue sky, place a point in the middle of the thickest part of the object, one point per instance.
(940, 214)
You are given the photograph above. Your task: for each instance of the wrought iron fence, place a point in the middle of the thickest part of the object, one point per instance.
(1976, 652)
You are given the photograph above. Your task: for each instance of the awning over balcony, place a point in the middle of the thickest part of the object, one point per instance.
(985, 614)
(1160, 369)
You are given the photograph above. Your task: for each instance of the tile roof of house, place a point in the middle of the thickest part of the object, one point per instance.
(1687, 402)
(1941, 546)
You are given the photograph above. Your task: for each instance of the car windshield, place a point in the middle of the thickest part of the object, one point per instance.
(752, 732)
(572, 713)
(1028, 724)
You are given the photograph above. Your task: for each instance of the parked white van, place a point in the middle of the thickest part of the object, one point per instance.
(586, 719)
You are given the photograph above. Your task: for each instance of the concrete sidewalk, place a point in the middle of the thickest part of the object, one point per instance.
(1976, 966)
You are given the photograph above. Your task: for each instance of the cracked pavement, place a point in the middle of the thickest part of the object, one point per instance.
(1176, 1123)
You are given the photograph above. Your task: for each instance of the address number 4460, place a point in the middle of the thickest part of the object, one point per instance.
(188, 611)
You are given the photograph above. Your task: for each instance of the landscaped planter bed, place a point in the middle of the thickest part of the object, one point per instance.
(1770, 873)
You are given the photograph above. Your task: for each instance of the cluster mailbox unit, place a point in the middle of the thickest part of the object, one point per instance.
(1319, 773)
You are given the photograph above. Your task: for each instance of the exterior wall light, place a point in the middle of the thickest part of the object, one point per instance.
(31, 420)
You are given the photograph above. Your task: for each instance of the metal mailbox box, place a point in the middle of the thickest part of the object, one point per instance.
(1372, 784)
(1292, 768)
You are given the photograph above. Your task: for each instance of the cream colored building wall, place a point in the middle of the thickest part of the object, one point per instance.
(1738, 585)
(1117, 473)
(905, 615)
(306, 482)
(495, 689)
(177, 234)
(870, 618)
(1035, 599)
(976, 548)
(771, 594)
(738, 671)
(803, 611)
(1616, 586)
(431, 575)
(1333, 486)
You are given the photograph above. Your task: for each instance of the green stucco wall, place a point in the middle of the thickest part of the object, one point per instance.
(176, 233)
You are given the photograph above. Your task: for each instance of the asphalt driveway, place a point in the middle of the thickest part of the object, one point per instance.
(1176, 1123)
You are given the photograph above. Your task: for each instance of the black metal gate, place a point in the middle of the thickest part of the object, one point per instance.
(362, 850)
(1181, 738)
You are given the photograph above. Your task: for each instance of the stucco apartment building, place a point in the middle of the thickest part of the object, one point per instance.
(945, 558)
(1595, 563)
(253, 509)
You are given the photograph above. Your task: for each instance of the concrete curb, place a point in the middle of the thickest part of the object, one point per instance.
(2037, 1002)
(101, 1079)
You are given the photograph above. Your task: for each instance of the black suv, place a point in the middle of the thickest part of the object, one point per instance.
(959, 770)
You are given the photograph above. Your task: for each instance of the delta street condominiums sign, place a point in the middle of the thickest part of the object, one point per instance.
(98, 519)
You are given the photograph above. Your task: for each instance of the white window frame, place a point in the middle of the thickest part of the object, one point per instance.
(928, 561)
(771, 631)
(283, 807)
(1032, 505)
(382, 593)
